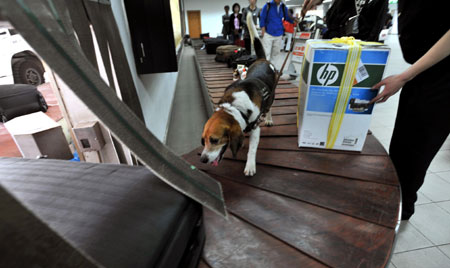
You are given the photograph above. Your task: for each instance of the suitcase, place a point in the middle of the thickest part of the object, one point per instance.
(223, 53)
(118, 215)
(17, 100)
(213, 43)
(246, 60)
(240, 43)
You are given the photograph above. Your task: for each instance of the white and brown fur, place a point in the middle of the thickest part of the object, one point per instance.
(244, 99)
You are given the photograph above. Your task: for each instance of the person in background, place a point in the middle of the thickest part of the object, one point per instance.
(271, 23)
(423, 116)
(252, 8)
(289, 31)
(236, 23)
(226, 23)
(362, 19)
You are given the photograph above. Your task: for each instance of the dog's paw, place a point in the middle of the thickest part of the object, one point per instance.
(268, 122)
(250, 169)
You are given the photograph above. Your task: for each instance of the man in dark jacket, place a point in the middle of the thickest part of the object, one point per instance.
(226, 23)
(254, 10)
(362, 19)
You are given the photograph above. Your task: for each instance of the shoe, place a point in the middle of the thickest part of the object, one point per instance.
(406, 216)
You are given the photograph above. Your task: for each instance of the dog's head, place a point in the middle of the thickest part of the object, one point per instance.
(220, 131)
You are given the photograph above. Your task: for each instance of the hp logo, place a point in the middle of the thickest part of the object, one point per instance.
(327, 74)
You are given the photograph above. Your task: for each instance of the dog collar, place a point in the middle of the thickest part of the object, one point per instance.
(237, 115)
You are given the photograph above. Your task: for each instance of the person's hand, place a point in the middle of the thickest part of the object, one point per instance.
(309, 4)
(263, 31)
(392, 84)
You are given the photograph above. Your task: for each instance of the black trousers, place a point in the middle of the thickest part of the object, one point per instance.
(248, 44)
(421, 127)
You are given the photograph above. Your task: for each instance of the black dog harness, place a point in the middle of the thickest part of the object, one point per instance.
(267, 99)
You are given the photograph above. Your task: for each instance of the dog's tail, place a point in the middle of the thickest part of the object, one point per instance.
(254, 37)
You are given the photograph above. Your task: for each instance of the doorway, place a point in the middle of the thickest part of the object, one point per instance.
(195, 23)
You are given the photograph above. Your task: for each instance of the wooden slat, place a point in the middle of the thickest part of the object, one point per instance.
(336, 239)
(372, 202)
(371, 146)
(285, 102)
(372, 168)
(250, 246)
(310, 206)
(284, 130)
(284, 110)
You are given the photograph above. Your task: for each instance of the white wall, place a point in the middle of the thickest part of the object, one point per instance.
(155, 91)
(212, 10)
(211, 13)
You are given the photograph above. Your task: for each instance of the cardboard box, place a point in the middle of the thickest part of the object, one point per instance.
(89, 136)
(38, 135)
(297, 53)
(322, 79)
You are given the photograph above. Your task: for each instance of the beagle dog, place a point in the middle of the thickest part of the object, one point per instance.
(240, 110)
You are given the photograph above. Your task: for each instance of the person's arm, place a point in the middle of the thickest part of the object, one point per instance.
(262, 20)
(308, 5)
(394, 83)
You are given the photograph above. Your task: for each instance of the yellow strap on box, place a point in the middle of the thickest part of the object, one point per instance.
(345, 89)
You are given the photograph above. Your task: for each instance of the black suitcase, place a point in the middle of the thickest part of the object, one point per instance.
(17, 100)
(246, 60)
(213, 43)
(224, 53)
(118, 215)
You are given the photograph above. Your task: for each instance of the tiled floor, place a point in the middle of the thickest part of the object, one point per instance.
(423, 241)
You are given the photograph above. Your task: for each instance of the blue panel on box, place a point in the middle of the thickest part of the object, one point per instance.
(374, 56)
(331, 56)
(322, 99)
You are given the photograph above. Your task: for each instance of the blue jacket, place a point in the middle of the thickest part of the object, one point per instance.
(273, 21)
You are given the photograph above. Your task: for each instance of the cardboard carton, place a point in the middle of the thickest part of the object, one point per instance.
(38, 135)
(320, 85)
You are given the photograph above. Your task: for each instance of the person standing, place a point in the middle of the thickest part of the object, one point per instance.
(423, 117)
(271, 23)
(255, 11)
(226, 23)
(236, 23)
(289, 31)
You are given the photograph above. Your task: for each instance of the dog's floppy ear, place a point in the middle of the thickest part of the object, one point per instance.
(236, 140)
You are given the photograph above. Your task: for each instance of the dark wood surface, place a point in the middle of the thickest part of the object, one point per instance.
(304, 207)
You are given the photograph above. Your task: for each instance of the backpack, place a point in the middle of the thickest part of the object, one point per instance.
(282, 7)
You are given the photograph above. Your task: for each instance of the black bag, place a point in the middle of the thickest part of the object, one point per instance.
(17, 100)
(246, 60)
(342, 16)
(223, 53)
(213, 43)
(119, 215)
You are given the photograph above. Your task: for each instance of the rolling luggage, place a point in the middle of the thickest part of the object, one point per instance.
(117, 215)
(246, 60)
(223, 53)
(213, 43)
(17, 100)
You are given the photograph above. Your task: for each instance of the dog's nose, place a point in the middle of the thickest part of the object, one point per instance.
(204, 159)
